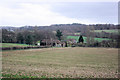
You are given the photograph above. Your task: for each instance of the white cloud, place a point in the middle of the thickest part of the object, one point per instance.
(32, 14)
(33, 1)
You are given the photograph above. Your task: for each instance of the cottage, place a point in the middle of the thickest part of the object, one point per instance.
(38, 44)
(50, 42)
(71, 41)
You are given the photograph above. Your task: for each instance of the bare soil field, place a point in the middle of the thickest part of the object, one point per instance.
(68, 62)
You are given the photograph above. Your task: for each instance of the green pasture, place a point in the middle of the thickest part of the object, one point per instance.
(108, 31)
(13, 45)
(76, 33)
(77, 37)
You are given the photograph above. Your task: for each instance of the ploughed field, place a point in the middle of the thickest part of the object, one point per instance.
(68, 62)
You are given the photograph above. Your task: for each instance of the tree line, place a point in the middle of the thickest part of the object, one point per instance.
(32, 36)
(26, 36)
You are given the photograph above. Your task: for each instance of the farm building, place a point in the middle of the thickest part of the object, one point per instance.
(49, 42)
(71, 41)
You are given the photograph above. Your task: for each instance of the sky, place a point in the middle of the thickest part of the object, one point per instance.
(46, 12)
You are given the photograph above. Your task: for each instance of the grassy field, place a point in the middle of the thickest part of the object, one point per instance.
(108, 31)
(61, 63)
(77, 37)
(13, 45)
(76, 33)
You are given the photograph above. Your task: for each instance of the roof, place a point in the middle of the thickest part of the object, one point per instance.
(51, 41)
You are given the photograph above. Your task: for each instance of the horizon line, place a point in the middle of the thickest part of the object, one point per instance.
(60, 24)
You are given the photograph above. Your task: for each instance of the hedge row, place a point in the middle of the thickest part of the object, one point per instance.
(15, 48)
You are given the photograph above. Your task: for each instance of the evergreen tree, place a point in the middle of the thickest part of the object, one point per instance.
(59, 34)
(81, 39)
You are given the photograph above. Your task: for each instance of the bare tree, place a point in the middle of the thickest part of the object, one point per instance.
(90, 35)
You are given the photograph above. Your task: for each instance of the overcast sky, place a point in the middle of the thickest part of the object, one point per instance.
(46, 12)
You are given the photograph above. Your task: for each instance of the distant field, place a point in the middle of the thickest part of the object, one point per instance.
(61, 63)
(12, 45)
(76, 33)
(109, 31)
(77, 37)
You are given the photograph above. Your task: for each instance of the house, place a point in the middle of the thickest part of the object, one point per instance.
(38, 44)
(50, 42)
(71, 41)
